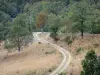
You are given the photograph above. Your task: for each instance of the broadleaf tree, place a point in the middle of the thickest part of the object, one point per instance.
(19, 32)
(78, 12)
(88, 63)
(41, 20)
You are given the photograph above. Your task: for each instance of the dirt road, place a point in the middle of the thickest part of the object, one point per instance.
(66, 55)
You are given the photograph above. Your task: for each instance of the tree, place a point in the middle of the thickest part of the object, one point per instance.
(53, 24)
(56, 7)
(2, 37)
(4, 27)
(78, 12)
(97, 67)
(94, 21)
(91, 64)
(66, 2)
(41, 20)
(19, 32)
(10, 7)
(88, 63)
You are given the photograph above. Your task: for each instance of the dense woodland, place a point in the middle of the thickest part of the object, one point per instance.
(20, 18)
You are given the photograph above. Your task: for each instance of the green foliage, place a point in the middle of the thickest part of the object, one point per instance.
(64, 17)
(19, 31)
(78, 12)
(62, 73)
(13, 7)
(93, 21)
(78, 50)
(9, 45)
(68, 40)
(4, 26)
(88, 63)
(53, 24)
(66, 2)
(91, 64)
(31, 73)
(97, 67)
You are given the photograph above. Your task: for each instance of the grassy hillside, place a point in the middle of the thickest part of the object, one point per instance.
(76, 23)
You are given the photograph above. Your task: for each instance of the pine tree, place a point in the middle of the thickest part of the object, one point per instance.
(88, 63)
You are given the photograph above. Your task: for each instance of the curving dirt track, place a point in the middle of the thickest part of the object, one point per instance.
(66, 55)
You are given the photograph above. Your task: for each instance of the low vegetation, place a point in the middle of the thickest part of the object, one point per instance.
(78, 50)
(62, 74)
(91, 64)
(31, 73)
(58, 17)
(67, 18)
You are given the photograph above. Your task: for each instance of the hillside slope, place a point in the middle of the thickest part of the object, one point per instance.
(35, 58)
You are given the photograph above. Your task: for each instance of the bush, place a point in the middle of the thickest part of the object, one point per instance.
(39, 43)
(78, 50)
(88, 63)
(50, 70)
(54, 37)
(8, 45)
(69, 42)
(62, 73)
(50, 52)
(31, 73)
(96, 45)
(69, 39)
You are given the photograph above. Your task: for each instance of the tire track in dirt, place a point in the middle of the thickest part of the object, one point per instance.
(66, 55)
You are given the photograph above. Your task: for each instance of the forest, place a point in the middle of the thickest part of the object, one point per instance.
(20, 18)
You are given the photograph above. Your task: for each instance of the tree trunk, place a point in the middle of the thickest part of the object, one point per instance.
(18, 44)
(82, 28)
(82, 33)
(19, 48)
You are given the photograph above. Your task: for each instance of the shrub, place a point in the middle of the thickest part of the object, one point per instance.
(96, 45)
(50, 52)
(50, 70)
(54, 37)
(9, 45)
(88, 63)
(69, 39)
(62, 73)
(78, 50)
(31, 73)
(69, 42)
(39, 43)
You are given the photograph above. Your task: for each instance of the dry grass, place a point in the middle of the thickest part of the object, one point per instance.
(87, 43)
(32, 59)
